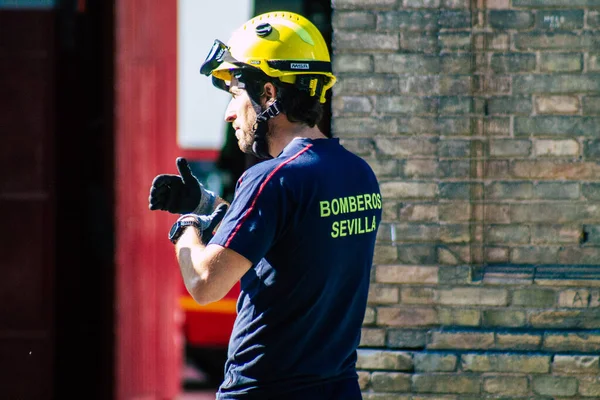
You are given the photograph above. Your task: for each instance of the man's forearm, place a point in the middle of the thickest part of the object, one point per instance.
(197, 260)
(188, 249)
(209, 272)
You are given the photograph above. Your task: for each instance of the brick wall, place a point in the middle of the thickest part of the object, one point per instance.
(481, 119)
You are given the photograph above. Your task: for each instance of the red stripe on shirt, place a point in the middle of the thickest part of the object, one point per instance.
(260, 189)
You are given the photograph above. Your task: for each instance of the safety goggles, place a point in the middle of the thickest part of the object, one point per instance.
(218, 54)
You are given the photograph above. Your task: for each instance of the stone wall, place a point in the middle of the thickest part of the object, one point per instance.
(481, 119)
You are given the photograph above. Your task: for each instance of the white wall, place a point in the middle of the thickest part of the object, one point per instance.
(201, 106)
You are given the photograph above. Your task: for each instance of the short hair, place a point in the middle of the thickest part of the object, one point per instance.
(297, 104)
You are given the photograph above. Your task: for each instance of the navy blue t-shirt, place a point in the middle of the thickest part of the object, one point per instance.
(307, 220)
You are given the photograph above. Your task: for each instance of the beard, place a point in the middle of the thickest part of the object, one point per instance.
(245, 140)
(245, 135)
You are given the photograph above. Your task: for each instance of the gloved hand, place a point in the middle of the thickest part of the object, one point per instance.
(180, 194)
(210, 222)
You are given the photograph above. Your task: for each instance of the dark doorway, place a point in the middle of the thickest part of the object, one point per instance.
(84, 201)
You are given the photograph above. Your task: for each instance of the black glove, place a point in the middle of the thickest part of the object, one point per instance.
(209, 222)
(178, 194)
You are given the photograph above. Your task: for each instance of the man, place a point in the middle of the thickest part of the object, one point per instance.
(300, 232)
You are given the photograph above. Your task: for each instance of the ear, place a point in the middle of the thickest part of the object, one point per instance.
(270, 91)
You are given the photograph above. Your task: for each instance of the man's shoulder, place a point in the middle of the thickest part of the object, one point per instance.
(259, 173)
(271, 166)
(262, 169)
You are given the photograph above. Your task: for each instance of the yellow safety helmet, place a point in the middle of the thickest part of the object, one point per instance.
(281, 44)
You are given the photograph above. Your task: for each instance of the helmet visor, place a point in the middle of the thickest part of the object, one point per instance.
(218, 54)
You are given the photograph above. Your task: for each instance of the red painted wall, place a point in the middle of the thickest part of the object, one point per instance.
(148, 280)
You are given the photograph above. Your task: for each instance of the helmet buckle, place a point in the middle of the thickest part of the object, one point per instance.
(312, 86)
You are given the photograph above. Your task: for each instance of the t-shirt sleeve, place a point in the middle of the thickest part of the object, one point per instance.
(254, 218)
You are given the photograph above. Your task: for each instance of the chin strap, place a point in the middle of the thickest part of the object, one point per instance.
(260, 147)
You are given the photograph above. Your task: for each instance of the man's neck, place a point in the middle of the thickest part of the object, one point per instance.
(282, 132)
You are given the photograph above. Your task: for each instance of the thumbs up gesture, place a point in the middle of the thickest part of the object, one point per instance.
(180, 194)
